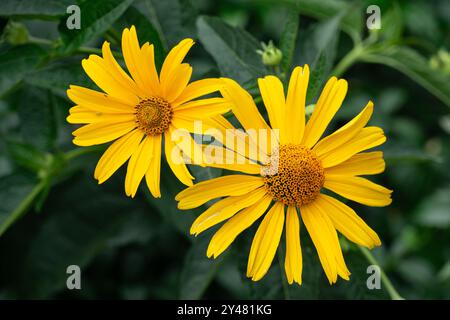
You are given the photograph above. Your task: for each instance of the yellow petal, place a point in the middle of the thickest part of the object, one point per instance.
(177, 82)
(152, 176)
(192, 152)
(232, 185)
(197, 89)
(328, 104)
(149, 74)
(80, 115)
(138, 166)
(325, 239)
(243, 106)
(135, 64)
(98, 101)
(175, 160)
(234, 226)
(367, 138)
(359, 164)
(293, 264)
(265, 242)
(345, 133)
(174, 59)
(219, 157)
(101, 132)
(225, 209)
(116, 155)
(347, 222)
(295, 104)
(203, 108)
(359, 189)
(272, 93)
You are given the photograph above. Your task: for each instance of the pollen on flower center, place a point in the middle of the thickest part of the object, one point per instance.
(153, 115)
(294, 175)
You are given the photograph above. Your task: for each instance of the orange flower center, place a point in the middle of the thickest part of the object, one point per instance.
(294, 175)
(153, 115)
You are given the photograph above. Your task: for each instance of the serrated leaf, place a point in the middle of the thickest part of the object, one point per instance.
(97, 17)
(76, 230)
(37, 118)
(233, 49)
(289, 39)
(414, 66)
(174, 19)
(16, 63)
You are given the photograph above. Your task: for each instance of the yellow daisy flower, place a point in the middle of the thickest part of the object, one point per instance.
(306, 164)
(138, 108)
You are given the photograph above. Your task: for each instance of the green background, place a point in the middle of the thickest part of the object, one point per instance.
(53, 214)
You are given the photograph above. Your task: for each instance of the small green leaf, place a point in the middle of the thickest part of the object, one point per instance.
(289, 39)
(435, 210)
(97, 17)
(198, 271)
(34, 8)
(414, 66)
(27, 155)
(16, 63)
(233, 49)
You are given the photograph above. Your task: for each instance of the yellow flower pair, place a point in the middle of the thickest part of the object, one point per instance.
(277, 181)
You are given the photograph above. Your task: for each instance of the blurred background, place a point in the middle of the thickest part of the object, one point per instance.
(53, 214)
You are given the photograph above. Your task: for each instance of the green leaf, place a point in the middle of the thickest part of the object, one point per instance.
(146, 32)
(58, 76)
(16, 63)
(18, 193)
(392, 24)
(37, 118)
(27, 155)
(289, 39)
(434, 210)
(198, 271)
(233, 49)
(97, 17)
(351, 22)
(34, 8)
(75, 231)
(174, 19)
(323, 41)
(414, 66)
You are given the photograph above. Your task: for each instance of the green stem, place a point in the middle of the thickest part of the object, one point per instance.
(23, 206)
(70, 155)
(349, 59)
(384, 278)
(82, 50)
(287, 296)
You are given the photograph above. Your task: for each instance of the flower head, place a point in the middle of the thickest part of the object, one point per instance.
(291, 176)
(137, 109)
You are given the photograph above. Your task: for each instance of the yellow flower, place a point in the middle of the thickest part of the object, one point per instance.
(137, 110)
(306, 165)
